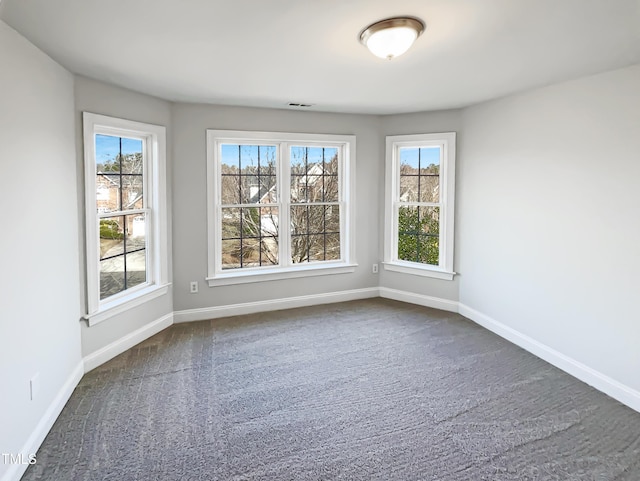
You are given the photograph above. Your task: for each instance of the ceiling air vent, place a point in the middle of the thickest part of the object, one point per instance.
(303, 106)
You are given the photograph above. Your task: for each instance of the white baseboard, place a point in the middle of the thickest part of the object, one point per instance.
(420, 299)
(15, 471)
(110, 351)
(206, 313)
(596, 379)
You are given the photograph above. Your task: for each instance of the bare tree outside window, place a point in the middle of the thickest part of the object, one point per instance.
(315, 209)
(250, 214)
(250, 211)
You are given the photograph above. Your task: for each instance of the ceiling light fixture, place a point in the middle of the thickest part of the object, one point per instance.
(392, 37)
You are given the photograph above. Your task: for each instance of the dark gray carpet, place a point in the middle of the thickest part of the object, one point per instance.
(365, 390)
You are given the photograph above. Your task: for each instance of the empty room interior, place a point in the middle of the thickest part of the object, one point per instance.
(304, 240)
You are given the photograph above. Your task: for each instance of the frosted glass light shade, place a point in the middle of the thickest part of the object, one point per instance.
(392, 37)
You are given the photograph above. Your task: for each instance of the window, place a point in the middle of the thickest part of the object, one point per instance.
(420, 192)
(279, 205)
(125, 214)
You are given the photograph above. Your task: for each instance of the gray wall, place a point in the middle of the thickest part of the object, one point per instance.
(548, 218)
(421, 123)
(39, 287)
(100, 98)
(546, 229)
(190, 123)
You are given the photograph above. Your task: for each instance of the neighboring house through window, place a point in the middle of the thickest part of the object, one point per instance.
(279, 205)
(420, 194)
(126, 224)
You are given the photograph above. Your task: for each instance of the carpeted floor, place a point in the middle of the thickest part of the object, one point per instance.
(364, 390)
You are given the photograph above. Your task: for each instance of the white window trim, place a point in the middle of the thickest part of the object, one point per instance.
(347, 143)
(447, 142)
(155, 188)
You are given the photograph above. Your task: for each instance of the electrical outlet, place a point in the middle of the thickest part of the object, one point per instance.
(193, 287)
(374, 269)
(34, 386)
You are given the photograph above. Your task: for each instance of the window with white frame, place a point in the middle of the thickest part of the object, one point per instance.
(126, 223)
(279, 205)
(419, 207)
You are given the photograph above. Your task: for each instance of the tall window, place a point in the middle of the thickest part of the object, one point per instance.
(420, 183)
(126, 214)
(279, 205)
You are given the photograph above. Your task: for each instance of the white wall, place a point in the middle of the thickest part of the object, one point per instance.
(548, 218)
(190, 123)
(421, 123)
(39, 286)
(100, 98)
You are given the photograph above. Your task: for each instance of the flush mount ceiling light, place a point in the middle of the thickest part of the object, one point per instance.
(392, 37)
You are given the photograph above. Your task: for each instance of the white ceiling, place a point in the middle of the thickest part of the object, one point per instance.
(268, 53)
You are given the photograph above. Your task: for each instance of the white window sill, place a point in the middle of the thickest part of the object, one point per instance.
(124, 303)
(418, 270)
(240, 276)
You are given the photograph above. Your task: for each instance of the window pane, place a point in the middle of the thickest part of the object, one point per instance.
(136, 232)
(248, 174)
(429, 160)
(268, 189)
(136, 268)
(418, 234)
(409, 162)
(131, 156)
(111, 236)
(250, 237)
(298, 188)
(299, 248)
(331, 161)
(107, 153)
(330, 188)
(116, 156)
(111, 276)
(315, 233)
(230, 223)
(230, 191)
(299, 160)
(409, 186)
(230, 160)
(408, 247)
(119, 237)
(249, 189)
(316, 219)
(430, 220)
(250, 222)
(333, 247)
(107, 193)
(316, 248)
(419, 174)
(428, 250)
(231, 254)
(250, 252)
(299, 219)
(257, 189)
(132, 197)
(269, 221)
(254, 157)
(314, 174)
(269, 247)
(429, 188)
(332, 218)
